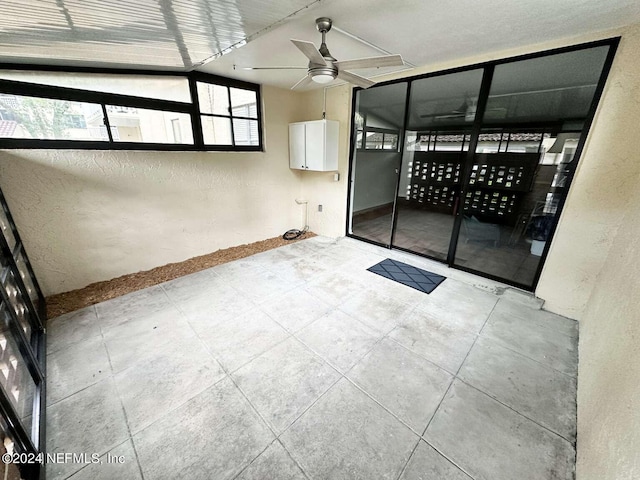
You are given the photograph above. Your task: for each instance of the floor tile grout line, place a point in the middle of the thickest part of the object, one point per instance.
(406, 464)
(487, 394)
(124, 412)
(501, 344)
(268, 425)
(419, 354)
(506, 346)
(449, 459)
(253, 460)
(79, 391)
(352, 382)
(295, 460)
(89, 464)
(453, 380)
(295, 420)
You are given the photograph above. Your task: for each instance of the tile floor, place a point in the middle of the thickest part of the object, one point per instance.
(298, 363)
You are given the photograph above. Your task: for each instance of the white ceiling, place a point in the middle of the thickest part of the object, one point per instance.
(182, 34)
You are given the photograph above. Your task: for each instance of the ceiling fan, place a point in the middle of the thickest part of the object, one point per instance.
(324, 68)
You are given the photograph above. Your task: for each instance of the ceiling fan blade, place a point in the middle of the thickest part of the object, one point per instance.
(303, 82)
(272, 68)
(310, 51)
(355, 79)
(371, 62)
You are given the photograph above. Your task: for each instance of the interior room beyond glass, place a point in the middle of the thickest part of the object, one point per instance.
(472, 167)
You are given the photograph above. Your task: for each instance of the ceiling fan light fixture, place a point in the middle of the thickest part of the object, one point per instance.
(322, 78)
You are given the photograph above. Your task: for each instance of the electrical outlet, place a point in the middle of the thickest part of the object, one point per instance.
(319, 208)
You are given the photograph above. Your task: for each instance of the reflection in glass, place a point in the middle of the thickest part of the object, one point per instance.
(243, 103)
(129, 124)
(441, 110)
(15, 378)
(511, 202)
(553, 88)
(213, 98)
(148, 86)
(26, 279)
(216, 130)
(6, 229)
(47, 119)
(245, 132)
(379, 116)
(16, 302)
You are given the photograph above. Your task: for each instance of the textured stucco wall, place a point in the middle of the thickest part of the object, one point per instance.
(609, 368)
(605, 180)
(319, 188)
(87, 216)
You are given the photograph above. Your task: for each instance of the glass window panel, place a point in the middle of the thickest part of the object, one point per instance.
(373, 140)
(17, 303)
(47, 119)
(130, 124)
(450, 142)
(216, 130)
(383, 110)
(523, 142)
(553, 88)
(6, 229)
(15, 378)
(375, 173)
(512, 203)
(213, 98)
(244, 103)
(245, 132)
(390, 141)
(148, 86)
(444, 100)
(26, 279)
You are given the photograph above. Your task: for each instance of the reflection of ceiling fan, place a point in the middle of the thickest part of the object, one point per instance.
(323, 68)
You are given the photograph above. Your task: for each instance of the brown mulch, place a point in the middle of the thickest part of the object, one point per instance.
(61, 303)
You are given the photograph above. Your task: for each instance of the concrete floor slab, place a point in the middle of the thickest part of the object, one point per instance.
(491, 441)
(339, 339)
(214, 435)
(346, 435)
(404, 383)
(535, 390)
(339, 371)
(284, 381)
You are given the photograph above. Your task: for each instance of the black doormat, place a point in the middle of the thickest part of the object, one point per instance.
(407, 275)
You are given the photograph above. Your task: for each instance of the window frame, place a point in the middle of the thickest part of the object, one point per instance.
(103, 99)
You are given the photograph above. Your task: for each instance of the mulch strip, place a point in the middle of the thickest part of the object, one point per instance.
(62, 303)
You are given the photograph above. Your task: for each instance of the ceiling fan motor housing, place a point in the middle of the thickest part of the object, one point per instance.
(324, 25)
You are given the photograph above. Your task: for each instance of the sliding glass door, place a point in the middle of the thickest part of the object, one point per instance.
(531, 127)
(378, 123)
(487, 157)
(441, 113)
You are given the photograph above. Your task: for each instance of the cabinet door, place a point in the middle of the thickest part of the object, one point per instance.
(315, 145)
(297, 146)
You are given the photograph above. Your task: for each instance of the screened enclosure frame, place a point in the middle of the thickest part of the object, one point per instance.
(191, 108)
(475, 129)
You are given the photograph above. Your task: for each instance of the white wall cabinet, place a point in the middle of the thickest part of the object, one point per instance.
(314, 145)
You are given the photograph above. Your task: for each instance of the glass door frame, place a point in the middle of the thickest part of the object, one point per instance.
(488, 70)
(32, 351)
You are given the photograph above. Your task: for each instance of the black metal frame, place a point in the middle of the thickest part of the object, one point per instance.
(32, 350)
(476, 128)
(191, 108)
